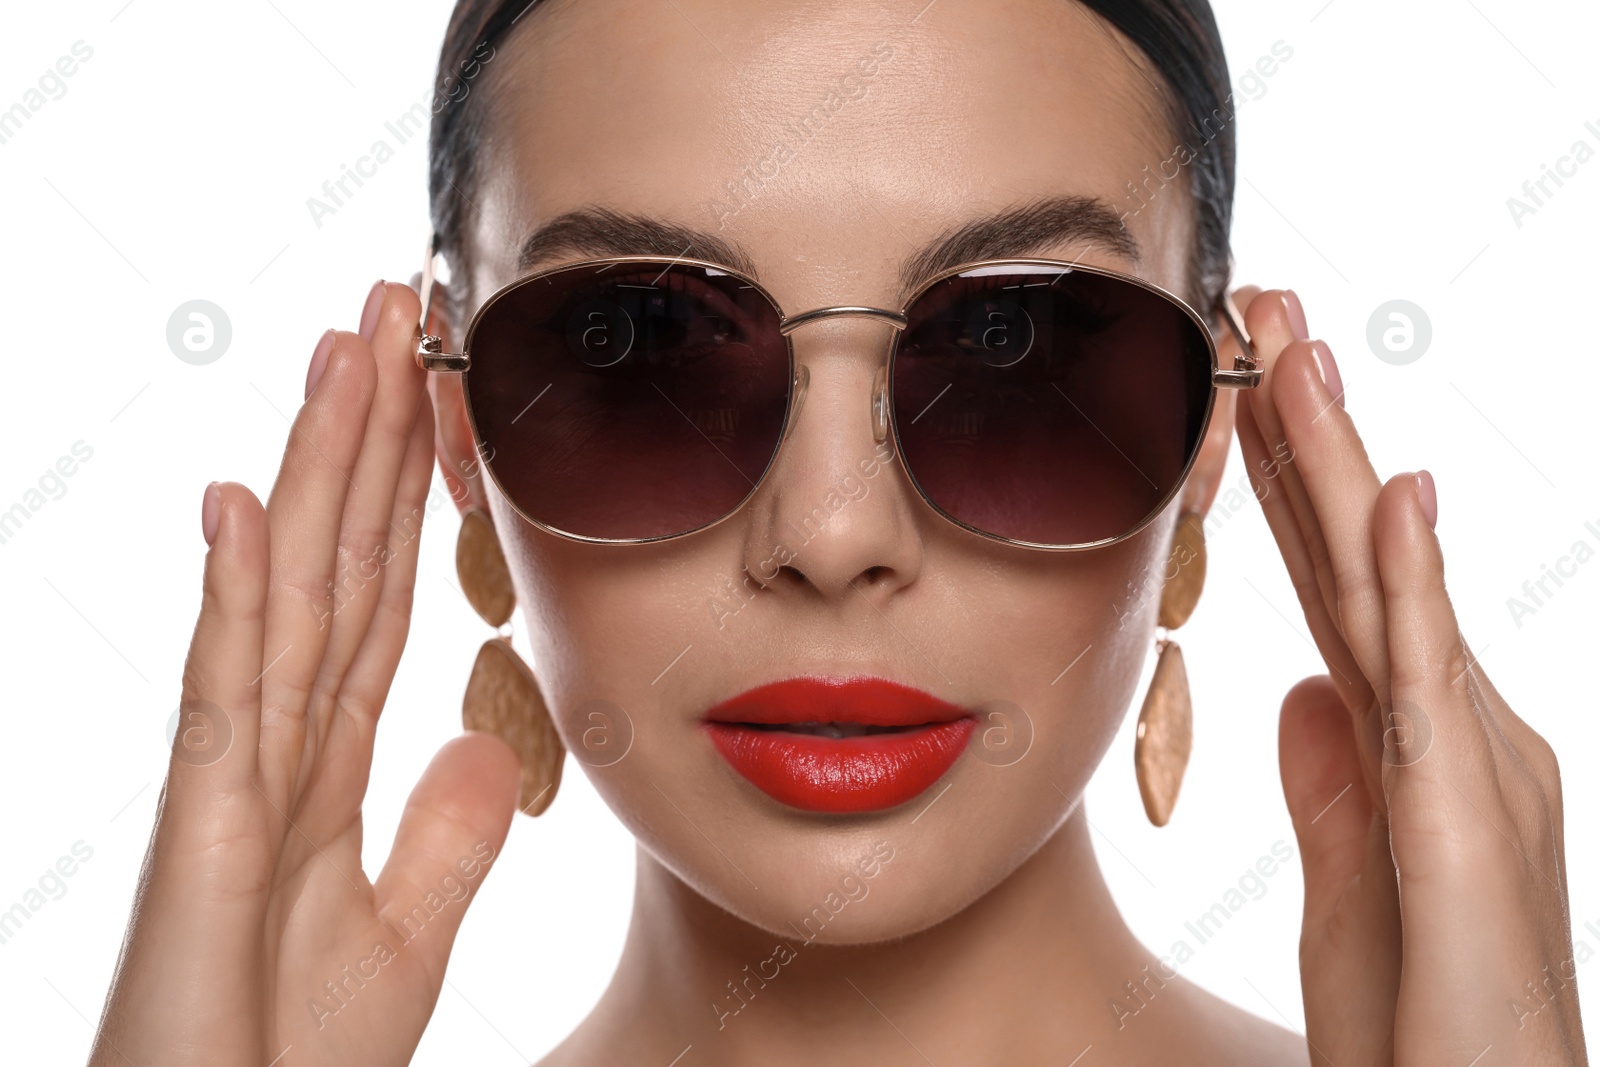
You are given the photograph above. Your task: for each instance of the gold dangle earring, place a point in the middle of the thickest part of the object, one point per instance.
(502, 695)
(1166, 721)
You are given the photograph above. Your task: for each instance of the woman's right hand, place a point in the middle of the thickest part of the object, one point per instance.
(255, 937)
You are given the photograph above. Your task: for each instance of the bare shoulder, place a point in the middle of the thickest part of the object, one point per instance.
(1228, 1034)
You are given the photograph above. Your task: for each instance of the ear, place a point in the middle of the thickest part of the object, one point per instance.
(452, 434)
(1205, 478)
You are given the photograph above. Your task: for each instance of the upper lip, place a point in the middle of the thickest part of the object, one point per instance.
(867, 701)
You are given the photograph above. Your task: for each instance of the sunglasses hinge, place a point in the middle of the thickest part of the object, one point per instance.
(1247, 366)
(1237, 379)
(432, 356)
(1246, 373)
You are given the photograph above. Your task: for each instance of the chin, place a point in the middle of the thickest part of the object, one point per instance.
(856, 879)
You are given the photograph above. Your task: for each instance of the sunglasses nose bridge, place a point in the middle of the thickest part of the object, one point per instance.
(880, 404)
(880, 380)
(792, 323)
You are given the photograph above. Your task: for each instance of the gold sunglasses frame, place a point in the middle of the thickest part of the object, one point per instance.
(1246, 373)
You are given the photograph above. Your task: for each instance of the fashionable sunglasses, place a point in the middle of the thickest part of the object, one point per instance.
(1039, 403)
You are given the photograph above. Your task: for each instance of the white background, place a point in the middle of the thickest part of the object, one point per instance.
(1375, 164)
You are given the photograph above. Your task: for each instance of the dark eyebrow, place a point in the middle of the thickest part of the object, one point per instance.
(600, 232)
(1033, 228)
(1023, 231)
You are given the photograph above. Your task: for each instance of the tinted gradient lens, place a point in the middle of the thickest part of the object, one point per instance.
(629, 400)
(1051, 407)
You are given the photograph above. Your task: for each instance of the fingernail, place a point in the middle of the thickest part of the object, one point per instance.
(1297, 315)
(1428, 497)
(209, 507)
(369, 313)
(319, 362)
(1328, 368)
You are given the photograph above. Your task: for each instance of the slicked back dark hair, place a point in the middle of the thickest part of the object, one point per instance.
(1179, 38)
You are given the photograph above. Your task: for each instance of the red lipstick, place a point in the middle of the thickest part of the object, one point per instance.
(840, 745)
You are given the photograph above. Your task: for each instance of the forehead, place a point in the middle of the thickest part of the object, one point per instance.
(828, 140)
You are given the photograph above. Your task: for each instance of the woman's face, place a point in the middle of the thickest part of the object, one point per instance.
(831, 142)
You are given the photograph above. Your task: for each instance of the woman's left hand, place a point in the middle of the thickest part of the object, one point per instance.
(1436, 926)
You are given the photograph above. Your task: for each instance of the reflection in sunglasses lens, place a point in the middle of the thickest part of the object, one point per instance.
(627, 400)
(1054, 408)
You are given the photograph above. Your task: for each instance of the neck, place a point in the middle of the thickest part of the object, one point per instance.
(1031, 967)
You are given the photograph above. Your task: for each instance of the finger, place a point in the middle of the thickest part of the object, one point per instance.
(1350, 940)
(1321, 769)
(1347, 490)
(453, 826)
(210, 855)
(304, 516)
(1436, 740)
(214, 750)
(210, 843)
(1269, 478)
(1242, 299)
(1468, 884)
(336, 785)
(366, 536)
(1274, 327)
(366, 686)
(1339, 480)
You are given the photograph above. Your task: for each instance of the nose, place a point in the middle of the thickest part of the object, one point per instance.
(835, 517)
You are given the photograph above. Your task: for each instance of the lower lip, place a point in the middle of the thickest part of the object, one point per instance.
(871, 772)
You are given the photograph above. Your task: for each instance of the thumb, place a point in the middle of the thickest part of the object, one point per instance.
(1323, 788)
(454, 825)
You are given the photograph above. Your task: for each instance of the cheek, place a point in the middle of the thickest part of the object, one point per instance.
(618, 635)
(1067, 638)
(598, 616)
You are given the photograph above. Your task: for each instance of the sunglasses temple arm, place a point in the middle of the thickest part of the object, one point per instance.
(430, 347)
(1247, 366)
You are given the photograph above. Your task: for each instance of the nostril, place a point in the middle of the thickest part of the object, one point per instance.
(789, 574)
(873, 575)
